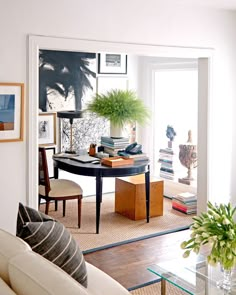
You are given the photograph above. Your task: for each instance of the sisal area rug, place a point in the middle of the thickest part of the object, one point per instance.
(155, 289)
(115, 229)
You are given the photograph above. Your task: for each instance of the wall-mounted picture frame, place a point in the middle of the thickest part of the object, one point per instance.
(112, 63)
(11, 112)
(47, 128)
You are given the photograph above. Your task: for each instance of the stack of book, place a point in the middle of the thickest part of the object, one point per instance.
(136, 158)
(166, 161)
(113, 145)
(185, 202)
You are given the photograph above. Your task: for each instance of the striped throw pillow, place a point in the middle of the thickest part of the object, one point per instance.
(52, 240)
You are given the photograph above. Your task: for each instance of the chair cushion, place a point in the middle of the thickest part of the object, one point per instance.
(62, 188)
(52, 240)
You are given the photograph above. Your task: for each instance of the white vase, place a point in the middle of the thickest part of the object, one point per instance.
(115, 131)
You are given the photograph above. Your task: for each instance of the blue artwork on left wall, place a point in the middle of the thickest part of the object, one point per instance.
(7, 111)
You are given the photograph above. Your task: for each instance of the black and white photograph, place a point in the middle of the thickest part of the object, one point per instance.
(112, 63)
(47, 128)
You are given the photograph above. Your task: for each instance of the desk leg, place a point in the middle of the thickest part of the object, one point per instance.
(98, 200)
(147, 186)
(163, 287)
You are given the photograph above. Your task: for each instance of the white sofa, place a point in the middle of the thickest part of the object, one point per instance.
(25, 272)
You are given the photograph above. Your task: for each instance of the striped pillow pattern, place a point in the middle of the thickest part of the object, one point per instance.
(52, 240)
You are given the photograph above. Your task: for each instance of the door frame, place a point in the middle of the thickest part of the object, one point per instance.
(205, 61)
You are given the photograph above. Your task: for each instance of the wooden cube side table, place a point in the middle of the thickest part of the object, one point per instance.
(130, 197)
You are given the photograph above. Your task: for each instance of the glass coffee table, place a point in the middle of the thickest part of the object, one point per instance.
(192, 275)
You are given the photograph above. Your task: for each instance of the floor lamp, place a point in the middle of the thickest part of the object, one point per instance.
(71, 115)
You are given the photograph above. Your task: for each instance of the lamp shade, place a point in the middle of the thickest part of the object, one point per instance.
(70, 114)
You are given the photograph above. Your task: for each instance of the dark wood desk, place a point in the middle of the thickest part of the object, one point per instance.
(100, 171)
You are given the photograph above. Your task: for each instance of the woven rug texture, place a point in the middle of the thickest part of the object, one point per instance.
(155, 289)
(114, 227)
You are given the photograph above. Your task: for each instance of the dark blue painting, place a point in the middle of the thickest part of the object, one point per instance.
(7, 111)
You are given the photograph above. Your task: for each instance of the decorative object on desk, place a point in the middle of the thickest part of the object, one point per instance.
(112, 63)
(47, 128)
(133, 151)
(119, 107)
(71, 115)
(92, 149)
(188, 158)
(11, 111)
(170, 133)
(116, 161)
(101, 155)
(113, 145)
(217, 228)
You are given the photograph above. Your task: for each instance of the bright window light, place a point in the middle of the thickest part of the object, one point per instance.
(176, 104)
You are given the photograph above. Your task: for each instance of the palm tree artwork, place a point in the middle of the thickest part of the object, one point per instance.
(66, 81)
(66, 73)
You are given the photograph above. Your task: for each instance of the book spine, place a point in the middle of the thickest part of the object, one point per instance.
(188, 203)
(120, 146)
(185, 212)
(165, 169)
(166, 175)
(167, 151)
(183, 208)
(114, 141)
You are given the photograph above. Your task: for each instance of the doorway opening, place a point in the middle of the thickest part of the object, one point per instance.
(175, 91)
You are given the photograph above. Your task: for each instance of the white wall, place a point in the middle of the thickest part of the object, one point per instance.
(125, 21)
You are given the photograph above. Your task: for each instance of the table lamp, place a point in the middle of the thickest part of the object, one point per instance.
(71, 115)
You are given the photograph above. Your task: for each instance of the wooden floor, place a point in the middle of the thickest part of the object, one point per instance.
(128, 263)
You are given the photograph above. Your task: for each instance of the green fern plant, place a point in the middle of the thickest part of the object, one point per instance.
(120, 107)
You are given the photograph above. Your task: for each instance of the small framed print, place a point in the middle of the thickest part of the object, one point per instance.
(112, 63)
(47, 128)
(11, 111)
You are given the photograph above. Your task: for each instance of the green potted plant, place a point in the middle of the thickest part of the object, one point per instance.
(217, 228)
(119, 107)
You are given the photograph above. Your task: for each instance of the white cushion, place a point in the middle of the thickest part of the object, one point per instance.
(100, 283)
(5, 289)
(9, 247)
(62, 188)
(32, 274)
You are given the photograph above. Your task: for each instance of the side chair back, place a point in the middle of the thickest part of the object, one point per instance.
(56, 189)
(43, 171)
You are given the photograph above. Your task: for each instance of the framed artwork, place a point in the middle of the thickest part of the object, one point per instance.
(47, 128)
(11, 111)
(105, 84)
(66, 79)
(112, 63)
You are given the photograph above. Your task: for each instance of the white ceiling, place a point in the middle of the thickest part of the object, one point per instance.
(219, 4)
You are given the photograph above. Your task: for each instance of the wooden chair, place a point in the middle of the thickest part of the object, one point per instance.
(56, 189)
